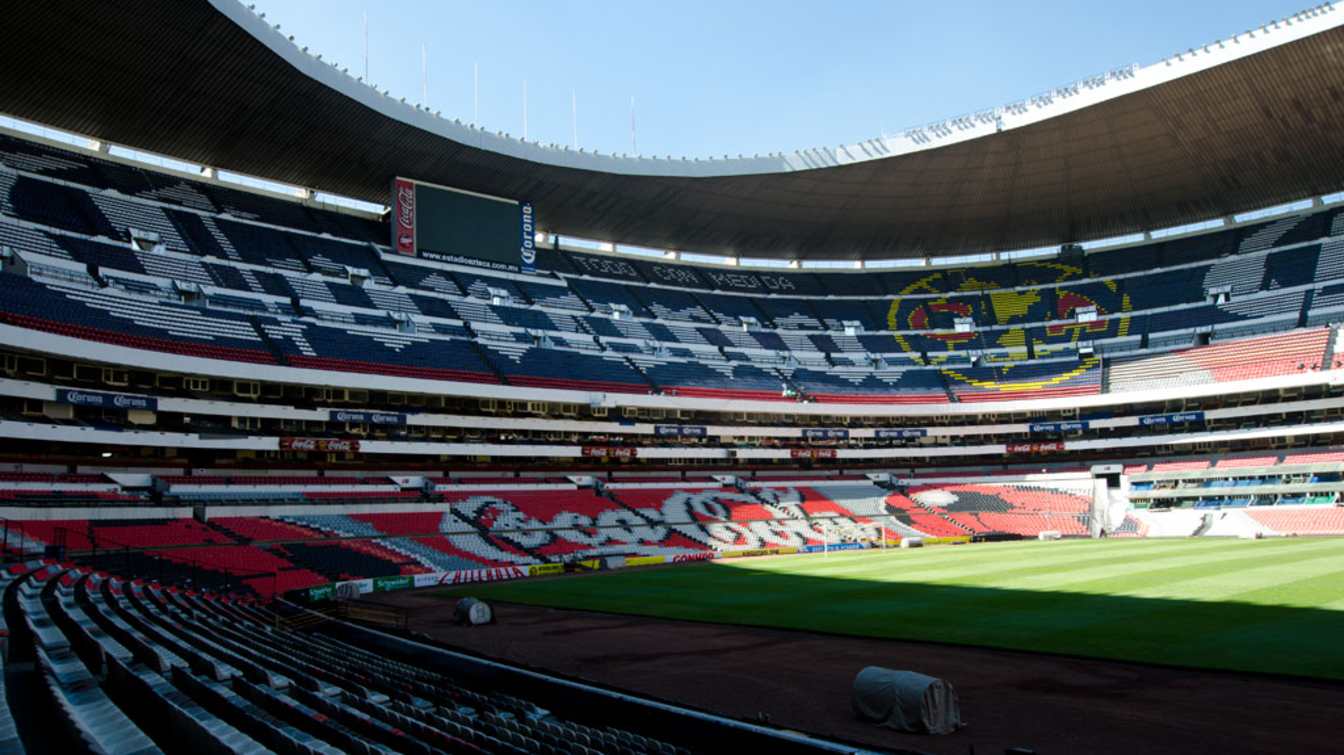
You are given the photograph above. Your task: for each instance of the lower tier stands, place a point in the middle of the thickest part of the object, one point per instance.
(1300, 521)
(133, 668)
(975, 509)
(468, 530)
(1259, 459)
(47, 489)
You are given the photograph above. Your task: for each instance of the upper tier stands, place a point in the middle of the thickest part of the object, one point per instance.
(1221, 362)
(130, 256)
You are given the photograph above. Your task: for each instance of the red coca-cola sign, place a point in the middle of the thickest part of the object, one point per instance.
(403, 217)
(333, 445)
(812, 453)
(612, 452)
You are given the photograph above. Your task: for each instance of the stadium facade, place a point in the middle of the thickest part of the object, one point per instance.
(258, 392)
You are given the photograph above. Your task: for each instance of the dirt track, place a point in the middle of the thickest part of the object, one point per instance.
(802, 681)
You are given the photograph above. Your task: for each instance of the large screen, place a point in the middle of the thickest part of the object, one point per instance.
(451, 225)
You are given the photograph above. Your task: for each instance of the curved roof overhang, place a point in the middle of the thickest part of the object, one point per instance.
(1240, 125)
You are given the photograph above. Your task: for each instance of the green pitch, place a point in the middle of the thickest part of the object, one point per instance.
(1269, 605)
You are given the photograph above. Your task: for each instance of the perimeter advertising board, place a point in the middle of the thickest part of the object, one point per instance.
(105, 400)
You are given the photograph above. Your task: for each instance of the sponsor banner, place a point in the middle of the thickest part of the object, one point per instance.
(528, 249)
(1179, 418)
(335, 445)
(757, 552)
(368, 418)
(105, 400)
(832, 547)
(645, 560)
(947, 540)
(353, 588)
(1036, 447)
(469, 576)
(680, 431)
(685, 558)
(426, 580)
(403, 216)
(545, 570)
(321, 592)
(609, 452)
(900, 433)
(587, 564)
(1058, 427)
(825, 433)
(393, 583)
(811, 453)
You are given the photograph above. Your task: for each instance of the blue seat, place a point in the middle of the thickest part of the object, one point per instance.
(600, 295)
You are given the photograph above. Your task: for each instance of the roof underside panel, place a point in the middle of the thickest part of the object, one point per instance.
(185, 80)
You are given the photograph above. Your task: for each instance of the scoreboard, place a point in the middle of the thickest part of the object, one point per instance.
(452, 225)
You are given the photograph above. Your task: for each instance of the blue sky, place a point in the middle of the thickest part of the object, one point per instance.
(742, 76)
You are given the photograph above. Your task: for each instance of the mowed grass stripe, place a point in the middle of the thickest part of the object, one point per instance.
(1211, 576)
(1076, 568)
(1315, 591)
(998, 560)
(1270, 605)
(1232, 579)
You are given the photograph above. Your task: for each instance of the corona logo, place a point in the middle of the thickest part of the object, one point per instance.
(1001, 322)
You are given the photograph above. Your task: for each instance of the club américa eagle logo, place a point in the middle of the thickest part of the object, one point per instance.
(1001, 313)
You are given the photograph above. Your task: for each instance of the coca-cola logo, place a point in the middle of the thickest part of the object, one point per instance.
(700, 522)
(404, 230)
(406, 206)
(318, 444)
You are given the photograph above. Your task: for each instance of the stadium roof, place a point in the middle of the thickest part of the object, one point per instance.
(1238, 125)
